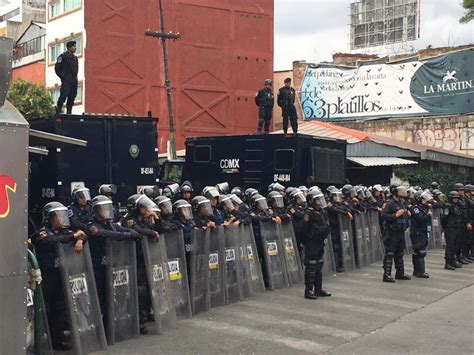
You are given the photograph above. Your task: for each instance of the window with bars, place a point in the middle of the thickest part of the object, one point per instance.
(57, 48)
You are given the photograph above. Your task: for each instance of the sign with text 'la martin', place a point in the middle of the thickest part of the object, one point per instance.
(436, 86)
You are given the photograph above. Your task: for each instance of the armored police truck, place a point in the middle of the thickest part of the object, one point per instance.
(258, 160)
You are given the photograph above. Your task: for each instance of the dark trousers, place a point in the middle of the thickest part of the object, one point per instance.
(264, 117)
(68, 92)
(394, 243)
(55, 304)
(289, 114)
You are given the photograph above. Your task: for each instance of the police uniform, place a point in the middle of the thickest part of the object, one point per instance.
(265, 101)
(286, 100)
(297, 214)
(80, 216)
(453, 228)
(419, 229)
(335, 210)
(394, 238)
(257, 217)
(469, 241)
(316, 230)
(67, 67)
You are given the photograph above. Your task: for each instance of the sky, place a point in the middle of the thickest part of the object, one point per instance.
(313, 30)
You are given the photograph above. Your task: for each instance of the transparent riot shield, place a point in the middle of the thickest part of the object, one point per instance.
(158, 283)
(244, 263)
(82, 301)
(254, 277)
(345, 232)
(290, 252)
(199, 278)
(359, 247)
(408, 247)
(376, 236)
(122, 292)
(436, 229)
(273, 255)
(329, 265)
(217, 267)
(234, 291)
(368, 249)
(177, 273)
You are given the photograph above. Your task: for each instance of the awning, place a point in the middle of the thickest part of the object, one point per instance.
(380, 161)
(45, 139)
(36, 150)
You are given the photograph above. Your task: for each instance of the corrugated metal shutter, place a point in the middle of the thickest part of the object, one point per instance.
(327, 165)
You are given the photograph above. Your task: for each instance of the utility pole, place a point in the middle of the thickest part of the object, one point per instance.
(164, 37)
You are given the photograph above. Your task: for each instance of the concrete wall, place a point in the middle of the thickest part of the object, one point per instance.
(452, 133)
(33, 72)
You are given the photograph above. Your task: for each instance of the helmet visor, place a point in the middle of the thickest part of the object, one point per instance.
(299, 198)
(319, 200)
(186, 212)
(402, 191)
(352, 193)
(83, 194)
(104, 211)
(59, 218)
(261, 203)
(145, 202)
(427, 196)
(236, 199)
(278, 201)
(337, 196)
(227, 204)
(165, 206)
(204, 207)
(360, 194)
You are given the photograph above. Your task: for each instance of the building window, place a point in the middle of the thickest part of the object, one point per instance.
(60, 7)
(56, 91)
(58, 48)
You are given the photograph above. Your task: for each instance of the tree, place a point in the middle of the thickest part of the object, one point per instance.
(469, 15)
(32, 100)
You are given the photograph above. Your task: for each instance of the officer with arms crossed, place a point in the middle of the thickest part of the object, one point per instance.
(286, 100)
(265, 101)
(66, 68)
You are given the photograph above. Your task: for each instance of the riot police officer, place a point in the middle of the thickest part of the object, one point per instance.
(265, 101)
(212, 194)
(184, 219)
(466, 223)
(277, 205)
(421, 214)
(186, 191)
(395, 217)
(80, 211)
(67, 67)
(316, 230)
(469, 241)
(453, 228)
(110, 190)
(166, 222)
(296, 209)
(56, 229)
(286, 100)
(141, 215)
(171, 191)
(202, 213)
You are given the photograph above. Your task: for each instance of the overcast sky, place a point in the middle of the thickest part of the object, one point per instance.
(312, 30)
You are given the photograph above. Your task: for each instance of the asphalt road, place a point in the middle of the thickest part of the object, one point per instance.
(364, 316)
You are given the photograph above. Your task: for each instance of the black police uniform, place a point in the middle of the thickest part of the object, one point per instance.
(394, 237)
(453, 228)
(469, 241)
(265, 101)
(334, 210)
(145, 229)
(316, 230)
(286, 100)
(419, 228)
(98, 232)
(67, 67)
(45, 242)
(297, 214)
(80, 217)
(166, 224)
(257, 217)
(464, 235)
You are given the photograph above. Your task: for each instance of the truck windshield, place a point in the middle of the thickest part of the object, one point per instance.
(172, 171)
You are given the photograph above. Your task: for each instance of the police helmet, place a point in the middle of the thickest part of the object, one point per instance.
(316, 197)
(434, 185)
(182, 208)
(277, 198)
(469, 187)
(238, 191)
(200, 203)
(398, 190)
(137, 201)
(425, 195)
(249, 193)
(268, 82)
(258, 201)
(236, 199)
(453, 194)
(225, 203)
(458, 186)
(150, 191)
(223, 188)
(55, 212)
(81, 192)
(210, 192)
(330, 188)
(377, 187)
(336, 195)
(108, 189)
(297, 197)
(186, 186)
(278, 187)
(348, 191)
(164, 204)
(170, 191)
(103, 208)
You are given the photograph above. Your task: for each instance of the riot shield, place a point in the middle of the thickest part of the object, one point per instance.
(359, 246)
(290, 251)
(82, 300)
(159, 285)
(217, 267)
(368, 249)
(436, 229)
(408, 247)
(244, 263)
(177, 273)
(329, 265)
(234, 292)
(254, 273)
(345, 232)
(272, 247)
(122, 292)
(199, 278)
(376, 243)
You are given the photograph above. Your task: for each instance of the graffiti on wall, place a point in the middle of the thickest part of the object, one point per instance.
(451, 139)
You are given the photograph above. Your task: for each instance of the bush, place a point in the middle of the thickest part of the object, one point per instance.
(32, 100)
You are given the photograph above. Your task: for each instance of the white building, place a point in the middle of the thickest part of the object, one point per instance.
(65, 22)
(17, 15)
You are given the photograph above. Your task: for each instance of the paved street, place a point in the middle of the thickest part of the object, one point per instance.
(364, 316)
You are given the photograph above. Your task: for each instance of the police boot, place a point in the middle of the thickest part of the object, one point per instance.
(400, 269)
(387, 267)
(422, 274)
(461, 260)
(466, 260)
(416, 264)
(448, 266)
(457, 264)
(318, 283)
(309, 279)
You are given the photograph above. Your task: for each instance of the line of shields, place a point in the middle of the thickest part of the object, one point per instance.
(435, 239)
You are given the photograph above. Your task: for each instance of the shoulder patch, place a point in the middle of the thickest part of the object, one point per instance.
(43, 234)
(60, 59)
(416, 210)
(70, 213)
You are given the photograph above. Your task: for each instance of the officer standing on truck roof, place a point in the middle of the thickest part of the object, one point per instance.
(66, 68)
(265, 101)
(286, 100)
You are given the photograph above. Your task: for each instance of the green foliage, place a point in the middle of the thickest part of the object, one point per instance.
(32, 100)
(424, 178)
(469, 15)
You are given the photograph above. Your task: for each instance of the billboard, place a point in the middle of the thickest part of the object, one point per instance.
(382, 22)
(436, 86)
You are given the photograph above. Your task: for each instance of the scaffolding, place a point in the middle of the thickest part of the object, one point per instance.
(382, 22)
